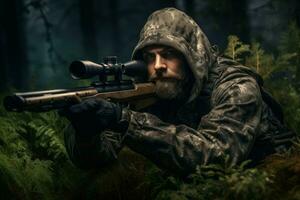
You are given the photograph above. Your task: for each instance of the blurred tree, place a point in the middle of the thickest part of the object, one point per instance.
(3, 65)
(269, 18)
(14, 66)
(190, 8)
(114, 19)
(87, 23)
(289, 43)
(168, 3)
(223, 18)
(238, 19)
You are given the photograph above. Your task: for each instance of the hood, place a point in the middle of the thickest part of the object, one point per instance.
(172, 27)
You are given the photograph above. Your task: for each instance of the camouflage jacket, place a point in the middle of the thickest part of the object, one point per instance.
(227, 114)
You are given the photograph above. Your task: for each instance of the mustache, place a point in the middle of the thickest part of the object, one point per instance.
(170, 75)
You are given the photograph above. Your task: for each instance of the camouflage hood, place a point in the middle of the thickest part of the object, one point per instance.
(174, 28)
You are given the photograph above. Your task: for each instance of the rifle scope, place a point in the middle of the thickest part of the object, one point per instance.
(86, 69)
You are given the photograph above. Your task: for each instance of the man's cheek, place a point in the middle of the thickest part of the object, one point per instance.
(150, 71)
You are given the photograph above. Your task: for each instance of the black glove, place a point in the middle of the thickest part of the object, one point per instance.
(92, 116)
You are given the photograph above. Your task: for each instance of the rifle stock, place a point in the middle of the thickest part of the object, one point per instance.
(138, 96)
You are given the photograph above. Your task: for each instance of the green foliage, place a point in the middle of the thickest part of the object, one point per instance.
(29, 150)
(285, 169)
(236, 49)
(290, 40)
(266, 64)
(290, 48)
(290, 101)
(219, 181)
(41, 131)
(263, 63)
(281, 72)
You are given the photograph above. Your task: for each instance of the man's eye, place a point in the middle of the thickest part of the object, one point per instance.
(168, 54)
(148, 57)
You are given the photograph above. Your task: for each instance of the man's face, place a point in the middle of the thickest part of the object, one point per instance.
(166, 68)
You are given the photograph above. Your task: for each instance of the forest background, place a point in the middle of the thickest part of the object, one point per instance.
(38, 40)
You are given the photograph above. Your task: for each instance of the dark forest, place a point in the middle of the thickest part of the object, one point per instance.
(40, 38)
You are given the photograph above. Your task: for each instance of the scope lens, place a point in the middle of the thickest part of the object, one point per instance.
(77, 69)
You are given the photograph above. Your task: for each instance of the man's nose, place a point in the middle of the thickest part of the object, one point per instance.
(159, 63)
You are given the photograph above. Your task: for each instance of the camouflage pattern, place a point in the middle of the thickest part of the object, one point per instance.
(228, 112)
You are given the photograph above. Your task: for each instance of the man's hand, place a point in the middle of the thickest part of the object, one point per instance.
(92, 116)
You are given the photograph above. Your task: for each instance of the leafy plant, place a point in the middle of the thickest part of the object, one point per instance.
(236, 49)
(220, 181)
(29, 150)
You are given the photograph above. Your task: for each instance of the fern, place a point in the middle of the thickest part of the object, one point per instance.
(38, 176)
(45, 140)
(217, 181)
(25, 178)
(11, 178)
(24, 137)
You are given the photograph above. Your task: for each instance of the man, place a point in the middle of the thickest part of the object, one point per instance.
(209, 107)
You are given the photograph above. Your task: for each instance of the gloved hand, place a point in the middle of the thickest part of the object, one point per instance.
(92, 116)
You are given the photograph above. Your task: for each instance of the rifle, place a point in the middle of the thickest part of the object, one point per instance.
(134, 90)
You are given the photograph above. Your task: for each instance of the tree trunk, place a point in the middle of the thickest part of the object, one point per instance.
(87, 23)
(239, 19)
(168, 3)
(14, 65)
(114, 19)
(190, 8)
(3, 65)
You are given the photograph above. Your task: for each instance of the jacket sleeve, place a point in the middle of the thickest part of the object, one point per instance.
(230, 128)
(93, 152)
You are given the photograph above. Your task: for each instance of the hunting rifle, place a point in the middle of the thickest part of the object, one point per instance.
(134, 90)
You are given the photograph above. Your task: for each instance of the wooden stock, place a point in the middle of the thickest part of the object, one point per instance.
(143, 95)
(140, 96)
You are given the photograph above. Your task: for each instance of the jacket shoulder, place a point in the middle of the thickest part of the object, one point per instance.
(228, 76)
(229, 70)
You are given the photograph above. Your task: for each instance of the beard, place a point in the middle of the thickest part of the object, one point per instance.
(170, 89)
